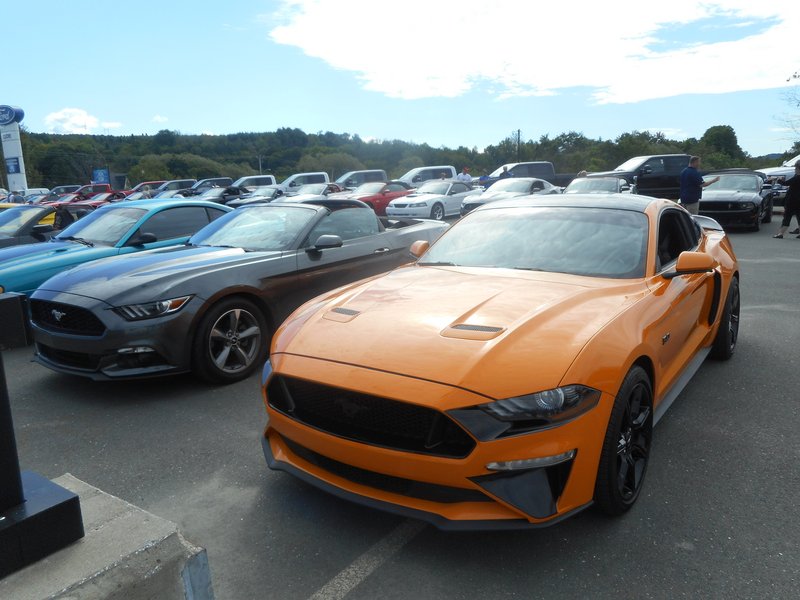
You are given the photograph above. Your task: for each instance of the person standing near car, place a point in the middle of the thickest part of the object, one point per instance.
(692, 185)
(464, 175)
(791, 202)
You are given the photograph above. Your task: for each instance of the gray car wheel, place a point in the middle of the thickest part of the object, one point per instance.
(437, 212)
(231, 341)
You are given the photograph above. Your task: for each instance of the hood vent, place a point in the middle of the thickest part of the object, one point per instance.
(341, 314)
(467, 331)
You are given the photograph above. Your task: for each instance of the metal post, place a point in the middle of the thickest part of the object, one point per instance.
(10, 479)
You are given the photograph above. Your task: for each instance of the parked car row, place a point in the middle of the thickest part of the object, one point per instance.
(523, 349)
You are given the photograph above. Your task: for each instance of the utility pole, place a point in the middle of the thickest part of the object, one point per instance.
(518, 142)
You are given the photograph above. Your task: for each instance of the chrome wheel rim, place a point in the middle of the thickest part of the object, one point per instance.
(234, 340)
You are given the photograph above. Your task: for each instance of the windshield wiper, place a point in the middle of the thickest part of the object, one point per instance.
(72, 238)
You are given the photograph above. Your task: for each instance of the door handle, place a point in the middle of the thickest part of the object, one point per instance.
(381, 251)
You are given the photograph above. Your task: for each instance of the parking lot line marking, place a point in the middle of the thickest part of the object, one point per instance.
(364, 565)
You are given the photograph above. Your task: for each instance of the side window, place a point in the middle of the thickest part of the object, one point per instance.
(175, 222)
(458, 188)
(315, 179)
(675, 164)
(672, 238)
(347, 223)
(394, 187)
(538, 186)
(213, 214)
(654, 166)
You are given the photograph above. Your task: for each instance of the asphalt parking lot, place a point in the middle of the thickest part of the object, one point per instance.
(718, 516)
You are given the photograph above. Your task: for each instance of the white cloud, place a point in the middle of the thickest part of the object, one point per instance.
(71, 120)
(630, 52)
(159, 119)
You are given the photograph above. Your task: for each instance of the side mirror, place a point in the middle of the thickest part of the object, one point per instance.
(144, 238)
(420, 247)
(327, 241)
(692, 262)
(646, 170)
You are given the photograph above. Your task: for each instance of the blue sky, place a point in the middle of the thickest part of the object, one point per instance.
(446, 73)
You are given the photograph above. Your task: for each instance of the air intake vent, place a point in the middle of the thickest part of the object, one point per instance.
(345, 311)
(481, 328)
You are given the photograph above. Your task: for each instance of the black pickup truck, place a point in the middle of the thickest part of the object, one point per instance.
(658, 175)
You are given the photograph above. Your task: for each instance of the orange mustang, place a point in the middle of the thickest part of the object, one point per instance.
(512, 376)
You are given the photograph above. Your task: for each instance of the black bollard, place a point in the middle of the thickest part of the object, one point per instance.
(37, 516)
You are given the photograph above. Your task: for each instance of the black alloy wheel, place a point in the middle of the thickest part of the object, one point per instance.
(231, 341)
(626, 448)
(728, 332)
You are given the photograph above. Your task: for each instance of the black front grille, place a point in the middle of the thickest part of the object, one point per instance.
(76, 360)
(395, 485)
(369, 419)
(65, 318)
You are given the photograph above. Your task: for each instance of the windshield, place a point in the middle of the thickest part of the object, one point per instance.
(498, 170)
(511, 185)
(588, 185)
(265, 227)
(580, 241)
(104, 227)
(14, 218)
(433, 187)
(215, 192)
(370, 188)
(631, 164)
(738, 183)
(312, 188)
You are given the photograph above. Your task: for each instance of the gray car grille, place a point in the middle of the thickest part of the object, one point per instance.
(65, 318)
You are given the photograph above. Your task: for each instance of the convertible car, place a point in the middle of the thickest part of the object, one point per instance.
(211, 305)
(512, 376)
(112, 229)
(737, 199)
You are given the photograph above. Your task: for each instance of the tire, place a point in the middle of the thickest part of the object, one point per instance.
(756, 224)
(437, 212)
(231, 341)
(768, 213)
(728, 332)
(626, 447)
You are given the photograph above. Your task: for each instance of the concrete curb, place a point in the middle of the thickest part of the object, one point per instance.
(127, 553)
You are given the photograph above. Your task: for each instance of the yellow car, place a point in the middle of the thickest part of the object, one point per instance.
(513, 375)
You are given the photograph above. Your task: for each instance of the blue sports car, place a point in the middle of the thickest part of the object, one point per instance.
(111, 230)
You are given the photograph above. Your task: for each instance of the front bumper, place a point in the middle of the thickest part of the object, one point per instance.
(729, 214)
(451, 492)
(419, 213)
(114, 348)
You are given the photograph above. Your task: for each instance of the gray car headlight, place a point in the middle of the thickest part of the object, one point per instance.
(417, 204)
(149, 310)
(523, 414)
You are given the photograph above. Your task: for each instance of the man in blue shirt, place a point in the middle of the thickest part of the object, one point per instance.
(692, 185)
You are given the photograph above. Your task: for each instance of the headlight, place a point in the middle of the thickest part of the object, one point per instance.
(522, 414)
(149, 310)
(418, 204)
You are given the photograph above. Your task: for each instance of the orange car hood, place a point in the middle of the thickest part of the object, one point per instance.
(477, 329)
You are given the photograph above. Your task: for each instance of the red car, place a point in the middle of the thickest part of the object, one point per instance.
(93, 201)
(377, 194)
